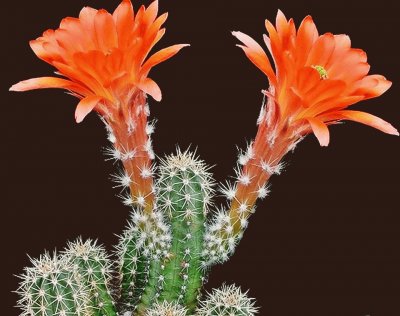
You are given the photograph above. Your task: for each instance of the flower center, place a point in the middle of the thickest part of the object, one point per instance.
(323, 74)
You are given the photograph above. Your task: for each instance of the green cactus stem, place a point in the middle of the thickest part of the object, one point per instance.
(131, 266)
(146, 239)
(93, 269)
(184, 190)
(50, 287)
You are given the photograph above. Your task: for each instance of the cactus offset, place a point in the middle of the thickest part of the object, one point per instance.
(51, 287)
(93, 268)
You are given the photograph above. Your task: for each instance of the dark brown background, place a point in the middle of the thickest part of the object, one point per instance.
(327, 240)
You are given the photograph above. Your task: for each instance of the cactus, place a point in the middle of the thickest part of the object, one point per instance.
(184, 191)
(172, 240)
(227, 301)
(93, 268)
(50, 287)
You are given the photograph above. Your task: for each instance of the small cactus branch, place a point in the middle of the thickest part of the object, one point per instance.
(50, 287)
(184, 190)
(146, 239)
(93, 269)
(129, 132)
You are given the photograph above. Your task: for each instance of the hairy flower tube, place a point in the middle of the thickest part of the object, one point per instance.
(315, 79)
(104, 60)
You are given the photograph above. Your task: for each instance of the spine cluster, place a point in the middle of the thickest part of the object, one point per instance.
(166, 309)
(227, 300)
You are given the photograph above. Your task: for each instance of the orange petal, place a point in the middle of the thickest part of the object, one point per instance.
(342, 42)
(151, 13)
(37, 47)
(86, 17)
(322, 50)
(307, 79)
(160, 34)
(306, 36)
(354, 59)
(369, 119)
(161, 56)
(372, 86)
(256, 54)
(320, 130)
(124, 10)
(152, 35)
(46, 82)
(324, 90)
(76, 74)
(106, 32)
(86, 106)
(273, 35)
(276, 47)
(149, 87)
(74, 27)
(285, 29)
(124, 20)
(139, 18)
(281, 22)
(334, 103)
(249, 42)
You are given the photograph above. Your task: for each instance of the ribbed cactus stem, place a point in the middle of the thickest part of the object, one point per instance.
(145, 240)
(128, 262)
(50, 287)
(93, 269)
(129, 132)
(184, 190)
(182, 274)
(142, 279)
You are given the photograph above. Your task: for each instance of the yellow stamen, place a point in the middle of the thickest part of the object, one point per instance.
(323, 74)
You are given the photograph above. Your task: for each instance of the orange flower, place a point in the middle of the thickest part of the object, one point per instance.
(316, 77)
(104, 58)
